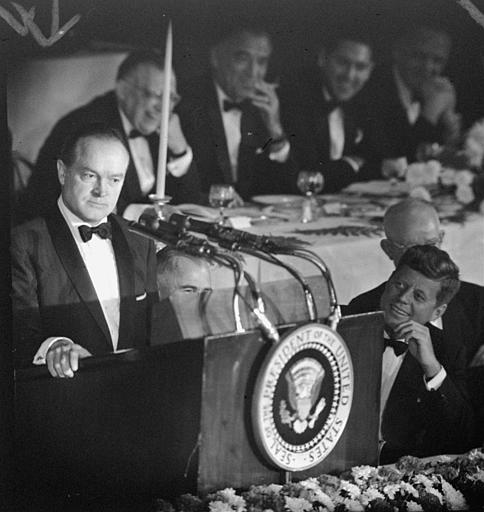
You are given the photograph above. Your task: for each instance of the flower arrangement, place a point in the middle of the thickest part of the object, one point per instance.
(438, 484)
(450, 170)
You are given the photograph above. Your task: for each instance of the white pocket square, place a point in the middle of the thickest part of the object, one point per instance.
(141, 297)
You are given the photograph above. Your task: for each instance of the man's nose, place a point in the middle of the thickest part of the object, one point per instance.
(404, 295)
(101, 189)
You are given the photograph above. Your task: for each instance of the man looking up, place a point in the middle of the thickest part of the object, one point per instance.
(415, 222)
(328, 127)
(82, 284)
(423, 402)
(133, 108)
(232, 120)
(411, 102)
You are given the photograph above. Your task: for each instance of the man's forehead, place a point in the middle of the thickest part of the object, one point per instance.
(250, 43)
(417, 280)
(355, 49)
(146, 74)
(432, 43)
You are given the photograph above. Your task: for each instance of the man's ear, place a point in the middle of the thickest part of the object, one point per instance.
(387, 248)
(61, 171)
(322, 57)
(121, 89)
(438, 312)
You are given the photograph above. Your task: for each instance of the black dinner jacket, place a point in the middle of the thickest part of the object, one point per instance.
(387, 119)
(203, 127)
(421, 423)
(44, 189)
(53, 295)
(305, 113)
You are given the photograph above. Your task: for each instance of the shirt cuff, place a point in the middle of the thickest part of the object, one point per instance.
(178, 167)
(354, 164)
(39, 357)
(281, 154)
(436, 381)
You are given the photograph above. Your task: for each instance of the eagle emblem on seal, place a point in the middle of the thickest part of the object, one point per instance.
(304, 380)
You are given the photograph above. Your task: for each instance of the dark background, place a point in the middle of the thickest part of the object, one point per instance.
(296, 25)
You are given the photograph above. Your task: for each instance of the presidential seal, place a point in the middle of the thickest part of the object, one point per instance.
(303, 397)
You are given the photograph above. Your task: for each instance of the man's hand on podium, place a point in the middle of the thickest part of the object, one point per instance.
(63, 356)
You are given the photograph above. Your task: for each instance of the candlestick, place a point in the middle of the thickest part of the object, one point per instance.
(165, 115)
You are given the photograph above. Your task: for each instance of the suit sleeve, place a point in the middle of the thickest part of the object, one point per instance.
(27, 325)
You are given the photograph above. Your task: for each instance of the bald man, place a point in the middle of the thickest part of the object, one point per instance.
(415, 222)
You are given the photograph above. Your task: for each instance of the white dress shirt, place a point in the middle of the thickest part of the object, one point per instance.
(412, 107)
(231, 120)
(98, 256)
(143, 162)
(336, 125)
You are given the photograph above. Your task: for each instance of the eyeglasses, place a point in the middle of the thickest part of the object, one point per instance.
(153, 96)
(433, 241)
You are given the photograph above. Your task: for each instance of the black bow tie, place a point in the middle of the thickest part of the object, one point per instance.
(399, 346)
(102, 231)
(333, 105)
(134, 134)
(232, 105)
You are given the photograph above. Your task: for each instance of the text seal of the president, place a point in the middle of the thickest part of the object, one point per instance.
(302, 398)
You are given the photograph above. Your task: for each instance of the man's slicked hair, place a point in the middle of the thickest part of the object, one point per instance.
(91, 130)
(134, 59)
(434, 264)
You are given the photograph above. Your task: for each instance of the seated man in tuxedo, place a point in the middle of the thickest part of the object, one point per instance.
(133, 108)
(232, 121)
(82, 283)
(415, 222)
(327, 126)
(411, 103)
(424, 408)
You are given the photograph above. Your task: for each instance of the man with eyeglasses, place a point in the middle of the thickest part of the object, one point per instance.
(134, 109)
(415, 222)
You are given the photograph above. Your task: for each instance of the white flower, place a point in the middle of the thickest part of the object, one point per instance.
(219, 506)
(416, 174)
(362, 473)
(464, 194)
(436, 493)
(236, 502)
(390, 490)
(453, 498)
(410, 489)
(479, 475)
(310, 483)
(422, 479)
(353, 505)
(421, 193)
(352, 489)
(371, 494)
(464, 178)
(412, 506)
(447, 177)
(275, 488)
(297, 504)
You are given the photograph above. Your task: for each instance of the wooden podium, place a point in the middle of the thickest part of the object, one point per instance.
(174, 418)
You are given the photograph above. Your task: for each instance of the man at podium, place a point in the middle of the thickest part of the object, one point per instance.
(82, 284)
(423, 404)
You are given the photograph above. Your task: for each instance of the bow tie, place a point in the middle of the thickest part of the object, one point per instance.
(102, 231)
(134, 134)
(232, 105)
(333, 105)
(399, 346)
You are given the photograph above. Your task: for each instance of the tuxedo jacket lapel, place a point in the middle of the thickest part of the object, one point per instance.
(126, 271)
(75, 268)
(218, 134)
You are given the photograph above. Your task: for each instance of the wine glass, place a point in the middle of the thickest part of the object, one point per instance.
(309, 183)
(220, 196)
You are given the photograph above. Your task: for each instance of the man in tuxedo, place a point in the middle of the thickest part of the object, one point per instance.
(232, 120)
(424, 408)
(327, 126)
(415, 222)
(133, 108)
(82, 284)
(411, 103)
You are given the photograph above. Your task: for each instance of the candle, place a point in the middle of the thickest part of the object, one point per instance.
(165, 115)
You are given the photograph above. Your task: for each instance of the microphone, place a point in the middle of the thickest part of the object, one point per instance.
(228, 237)
(161, 231)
